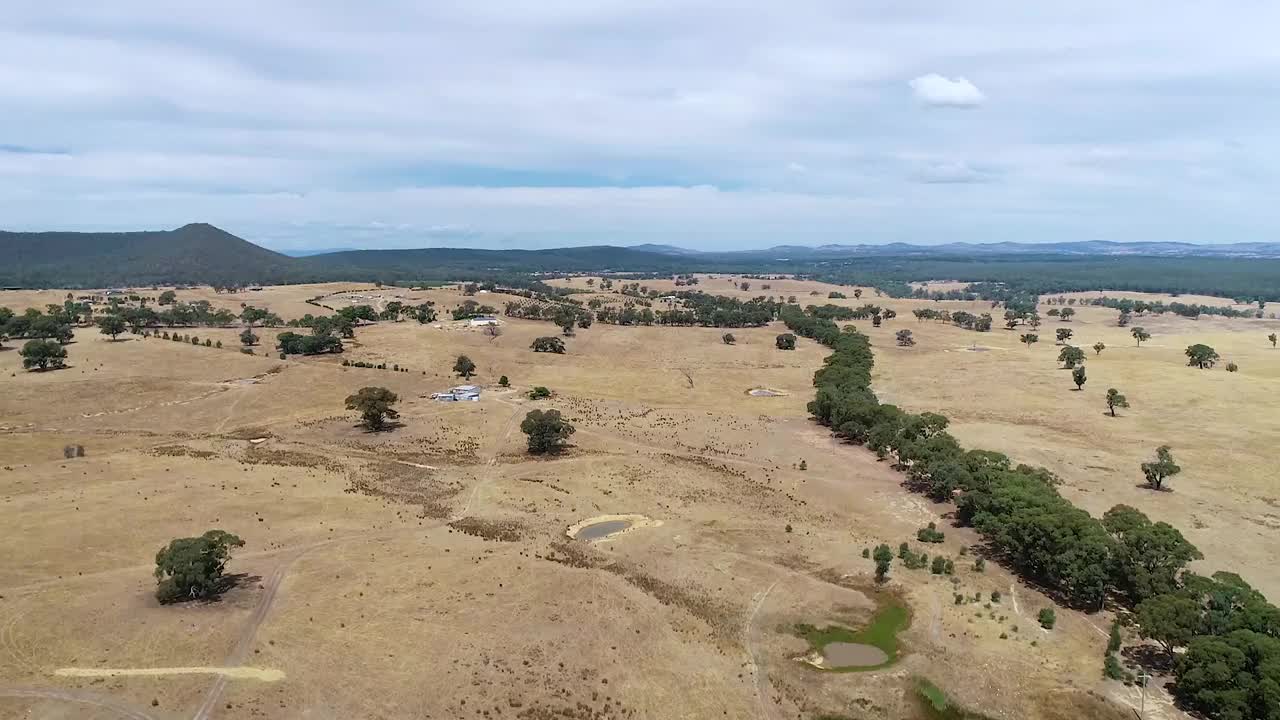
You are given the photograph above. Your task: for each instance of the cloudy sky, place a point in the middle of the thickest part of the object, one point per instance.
(701, 123)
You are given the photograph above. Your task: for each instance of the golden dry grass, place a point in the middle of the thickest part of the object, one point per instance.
(360, 591)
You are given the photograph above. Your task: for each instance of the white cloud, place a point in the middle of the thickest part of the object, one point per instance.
(938, 91)
(575, 121)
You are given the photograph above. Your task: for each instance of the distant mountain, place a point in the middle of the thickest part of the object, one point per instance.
(320, 251)
(438, 263)
(196, 253)
(898, 249)
(201, 253)
(664, 249)
(1082, 248)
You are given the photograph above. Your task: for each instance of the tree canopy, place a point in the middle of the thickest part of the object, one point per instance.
(111, 325)
(191, 568)
(464, 367)
(1201, 356)
(785, 341)
(1115, 400)
(1070, 356)
(547, 431)
(1160, 469)
(39, 355)
(374, 405)
(548, 344)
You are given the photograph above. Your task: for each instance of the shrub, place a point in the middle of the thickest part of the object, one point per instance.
(1111, 668)
(785, 341)
(995, 596)
(504, 382)
(1232, 367)
(539, 393)
(930, 534)
(1047, 618)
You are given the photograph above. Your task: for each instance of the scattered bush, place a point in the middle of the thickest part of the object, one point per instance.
(539, 393)
(1047, 618)
(930, 534)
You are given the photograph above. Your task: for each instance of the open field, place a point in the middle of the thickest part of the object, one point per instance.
(426, 572)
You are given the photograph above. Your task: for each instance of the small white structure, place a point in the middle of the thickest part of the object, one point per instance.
(483, 320)
(467, 393)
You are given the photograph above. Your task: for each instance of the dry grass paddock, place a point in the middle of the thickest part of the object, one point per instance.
(425, 572)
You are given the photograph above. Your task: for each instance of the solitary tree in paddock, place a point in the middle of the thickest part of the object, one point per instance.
(1272, 338)
(191, 568)
(1064, 334)
(247, 338)
(546, 430)
(374, 405)
(1071, 356)
(1066, 314)
(1201, 355)
(1160, 469)
(1123, 320)
(1029, 339)
(1078, 377)
(1098, 347)
(464, 367)
(1115, 400)
(548, 344)
(786, 341)
(905, 339)
(728, 339)
(1140, 334)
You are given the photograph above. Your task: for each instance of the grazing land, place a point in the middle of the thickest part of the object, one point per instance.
(425, 571)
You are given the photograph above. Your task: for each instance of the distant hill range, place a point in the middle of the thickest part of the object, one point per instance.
(1089, 248)
(202, 253)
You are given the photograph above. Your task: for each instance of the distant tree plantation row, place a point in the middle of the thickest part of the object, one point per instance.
(1231, 667)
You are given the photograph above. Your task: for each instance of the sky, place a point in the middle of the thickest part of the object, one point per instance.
(702, 123)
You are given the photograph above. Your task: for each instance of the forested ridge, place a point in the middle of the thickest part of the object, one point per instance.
(203, 254)
(1231, 667)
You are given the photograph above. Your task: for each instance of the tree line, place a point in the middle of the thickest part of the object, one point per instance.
(1232, 665)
